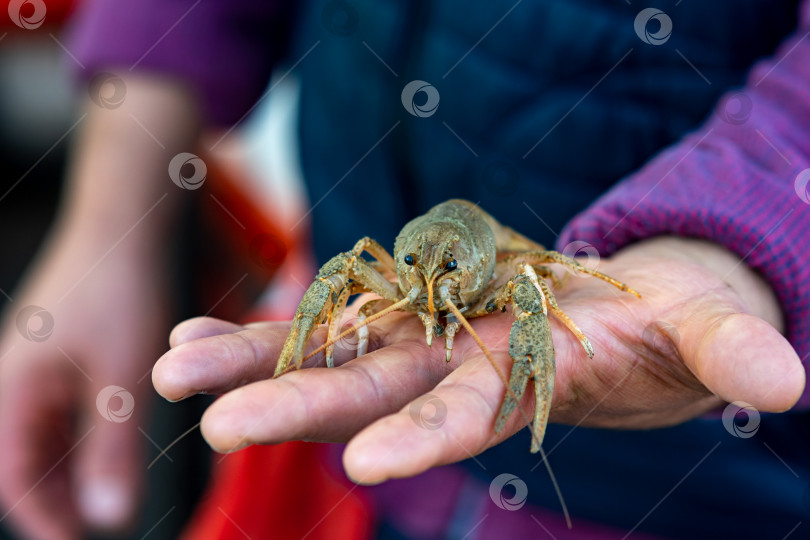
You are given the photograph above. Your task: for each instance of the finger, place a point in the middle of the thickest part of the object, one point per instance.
(35, 480)
(110, 461)
(201, 327)
(323, 404)
(219, 363)
(222, 362)
(456, 422)
(112, 465)
(740, 357)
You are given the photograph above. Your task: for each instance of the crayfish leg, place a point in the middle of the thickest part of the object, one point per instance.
(429, 321)
(333, 322)
(565, 319)
(372, 307)
(450, 329)
(541, 257)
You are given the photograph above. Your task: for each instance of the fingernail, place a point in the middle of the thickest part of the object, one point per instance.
(105, 503)
(184, 397)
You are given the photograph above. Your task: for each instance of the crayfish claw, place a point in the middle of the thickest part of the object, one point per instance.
(311, 311)
(293, 351)
(532, 350)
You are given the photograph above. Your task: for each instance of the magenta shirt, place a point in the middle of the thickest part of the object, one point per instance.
(224, 50)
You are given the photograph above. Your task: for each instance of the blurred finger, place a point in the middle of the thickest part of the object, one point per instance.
(111, 466)
(38, 448)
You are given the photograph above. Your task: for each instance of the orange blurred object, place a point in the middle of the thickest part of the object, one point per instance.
(244, 247)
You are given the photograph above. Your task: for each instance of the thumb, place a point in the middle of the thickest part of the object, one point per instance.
(111, 464)
(741, 357)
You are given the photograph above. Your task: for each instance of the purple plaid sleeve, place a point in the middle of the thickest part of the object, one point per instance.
(741, 180)
(225, 51)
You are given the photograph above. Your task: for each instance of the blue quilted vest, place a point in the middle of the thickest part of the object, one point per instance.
(534, 108)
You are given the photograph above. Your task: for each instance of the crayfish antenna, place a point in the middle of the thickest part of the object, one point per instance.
(556, 487)
(485, 350)
(349, 331)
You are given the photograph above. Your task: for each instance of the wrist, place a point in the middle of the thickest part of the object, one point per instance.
(119, 190)
(90, 234)
(731, 270)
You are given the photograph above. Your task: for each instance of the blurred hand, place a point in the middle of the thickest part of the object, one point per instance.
(705, 331)
(72, 459)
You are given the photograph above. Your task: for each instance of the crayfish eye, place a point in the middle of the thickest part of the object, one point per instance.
(408, 259)
(451, 265)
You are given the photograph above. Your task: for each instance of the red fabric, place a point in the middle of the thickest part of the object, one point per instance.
(288, 490)
(244, 246)
(283, 491)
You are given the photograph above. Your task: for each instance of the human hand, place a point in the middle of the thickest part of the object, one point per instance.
(72, 460)
(102, 277)
(704, 332)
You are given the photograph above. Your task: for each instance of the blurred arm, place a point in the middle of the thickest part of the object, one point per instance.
(120, 164)
(102, 277)
(119, 174)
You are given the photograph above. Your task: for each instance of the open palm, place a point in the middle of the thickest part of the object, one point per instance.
(692, 342)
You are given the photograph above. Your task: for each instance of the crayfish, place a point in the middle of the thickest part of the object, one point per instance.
(444, 269)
